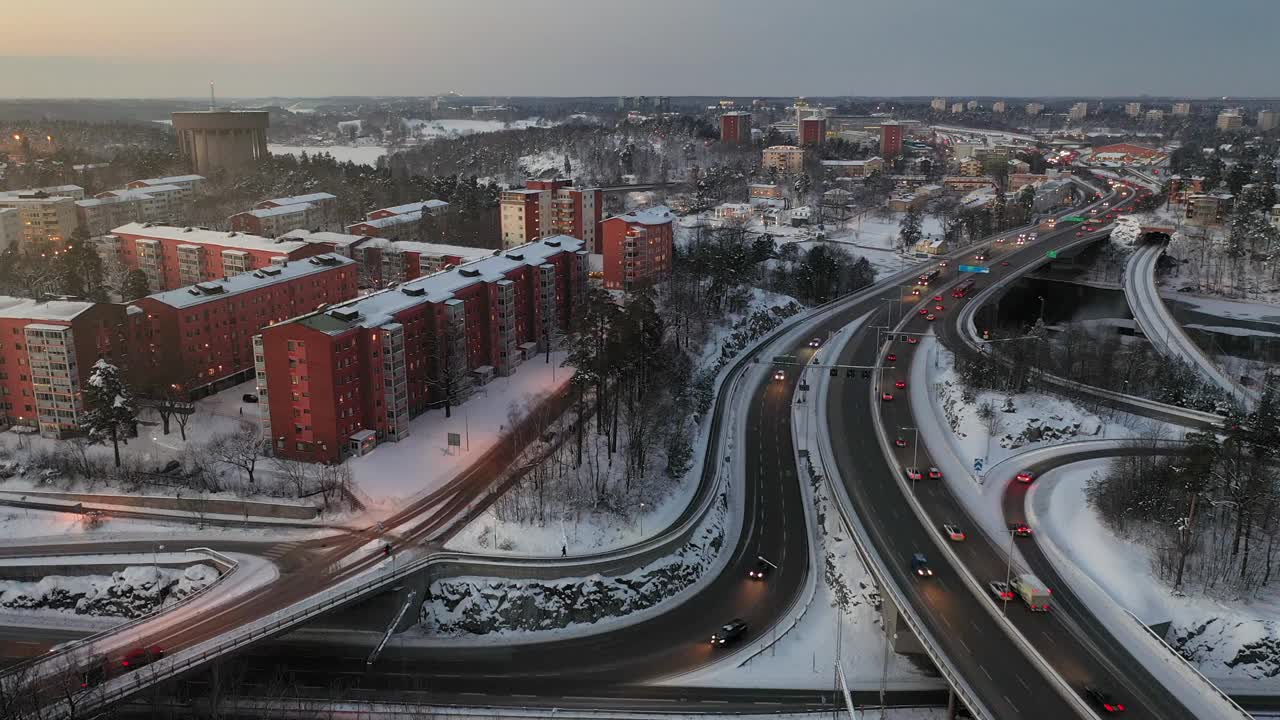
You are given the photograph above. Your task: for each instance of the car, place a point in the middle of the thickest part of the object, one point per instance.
(912, 339)
(1079, 233)
(1000, 240)
(1022, 241)
(953, 532)
(937, 298)
(915, 291)
(1025, 476)
(924, 311)
(886, 397)
(1111, 216)
(1093, 211)
(249, 398)
(900, 442)
(1104, 700)
(938, 307)
(935, 473)
(942, 264)
(891, 357)
(1020, 529)
(913, 474)
(920, 565)
(1000, 589)
(94, 673)
(1005, 263)
(930, 317)
(729, 632)
(779, 375)
(760, 570)
(1106, 203)
(141, 657)
(816, 342)
(900, 384)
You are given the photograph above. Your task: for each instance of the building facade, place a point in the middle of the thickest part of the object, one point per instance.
(1268, 120)
(813, 131)
(546, 208)
(638, 248)
(43, 218)
(47, 350)
(853, 168)
(10, 228)
(890, 140)
(199, 339)
(735, 128)
(339, 380)
(230, 141)
(173, 257)
(1230, 120)
(785, 159)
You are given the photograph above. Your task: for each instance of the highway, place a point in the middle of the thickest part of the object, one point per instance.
(1164, 332)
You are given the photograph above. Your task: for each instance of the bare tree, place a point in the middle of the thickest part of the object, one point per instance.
(241, 449)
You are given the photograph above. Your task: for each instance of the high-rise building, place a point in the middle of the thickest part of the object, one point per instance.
(1078, 111)
(735, 128)
(43, 217)
(1268, 120)
(638, 248)
(1182, 108)
(199, 339)
(339, 380)
(222, 139)
(10, 228)
(1155, 115)
(998, 106)
(890, 140)
(957, 108)
(813, 130)
(1133, 109)
(971, 105)
(1034, 108)
(551, 207)
(1230, 120)
(939, 104)
(50, 349)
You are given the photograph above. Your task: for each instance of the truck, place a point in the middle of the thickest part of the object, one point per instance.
(1032, 591)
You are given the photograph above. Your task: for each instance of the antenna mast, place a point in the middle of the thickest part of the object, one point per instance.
(211, 103)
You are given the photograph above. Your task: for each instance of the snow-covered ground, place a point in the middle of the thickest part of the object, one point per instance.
(127, 593)
(432, 129)
(424, 461)
(1235, 643)
(358, 154)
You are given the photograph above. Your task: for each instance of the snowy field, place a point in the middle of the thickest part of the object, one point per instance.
(1234, 642)
(395, 472)
(360, 155)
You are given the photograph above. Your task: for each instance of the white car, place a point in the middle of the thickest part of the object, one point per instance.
(779, 375)
(914, 474)
(816, 342)
(953, 532)
(1000, 589)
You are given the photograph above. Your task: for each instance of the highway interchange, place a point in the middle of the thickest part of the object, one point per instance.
(998, 667)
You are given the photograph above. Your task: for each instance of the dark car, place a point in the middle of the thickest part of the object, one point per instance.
(249, 398)
(729, 632)
(920, 565)
(759, 571)
(1104, 700)
(94, 673)
(1020, 529)
(142, 656)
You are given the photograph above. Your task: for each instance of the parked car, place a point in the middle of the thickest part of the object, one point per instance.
(249, 398)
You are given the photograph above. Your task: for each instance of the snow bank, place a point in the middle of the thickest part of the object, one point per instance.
(129, 593)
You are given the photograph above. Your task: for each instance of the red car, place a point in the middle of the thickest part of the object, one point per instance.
(938, 298)
(929, 317)
(901, 384)
(937, 307)
(935, 473)
(886, 397)
(140, 657)
(1005, 263)
(1020, 529)
(1025, 476)
(924, 311)
(891, 357)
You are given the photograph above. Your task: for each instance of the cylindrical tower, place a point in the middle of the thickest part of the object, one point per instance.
(222, 139)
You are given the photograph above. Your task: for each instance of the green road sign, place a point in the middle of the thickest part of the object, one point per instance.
(1052, 254)
(1073, 218)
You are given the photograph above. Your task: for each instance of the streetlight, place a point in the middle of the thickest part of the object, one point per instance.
(155, 559)
(642, 507)
(915, 450)
(1008, 573)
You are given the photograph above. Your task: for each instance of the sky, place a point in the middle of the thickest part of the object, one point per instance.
(258, 48)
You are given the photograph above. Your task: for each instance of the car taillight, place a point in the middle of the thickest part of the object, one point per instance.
(1109, 707)
(1120, 708)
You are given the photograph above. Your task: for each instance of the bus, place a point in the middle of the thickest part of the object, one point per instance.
(926, 278)
(962, 289)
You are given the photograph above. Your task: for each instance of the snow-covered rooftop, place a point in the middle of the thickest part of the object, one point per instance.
(436, 249)
(140, 193)
(16, 308)
(417, 207)
(379, 308)
(243, 241)
(850, 163)
(170, 179)
(656, 215)
(301, 199)
(252, 280)
(281, 210)
(50, 190)
(336, 239)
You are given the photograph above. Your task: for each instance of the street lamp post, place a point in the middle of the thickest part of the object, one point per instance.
(915, 453)
(1008, 572)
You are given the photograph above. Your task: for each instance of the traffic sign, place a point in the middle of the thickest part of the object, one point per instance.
(977, 464)
(974, 268)
(1052, 254)
(1073, 218)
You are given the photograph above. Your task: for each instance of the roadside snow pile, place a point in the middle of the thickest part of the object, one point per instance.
(472, 606)
(1230, 646)
(751, 328)
(129, 593)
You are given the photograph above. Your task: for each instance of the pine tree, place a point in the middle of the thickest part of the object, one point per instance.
(135, 286)
(909, 232)
(111, 409)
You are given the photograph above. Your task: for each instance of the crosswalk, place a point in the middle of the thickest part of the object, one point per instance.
(279, 551)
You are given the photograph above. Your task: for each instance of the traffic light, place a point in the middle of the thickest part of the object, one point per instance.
(866, 374)
(986, 334)
(848, 372)
(835, 372)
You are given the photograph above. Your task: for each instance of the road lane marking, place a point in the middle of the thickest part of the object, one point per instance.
(1023, 682)
(1015, 707)
(983, 668)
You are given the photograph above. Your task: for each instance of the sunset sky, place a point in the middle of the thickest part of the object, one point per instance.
(150, 48)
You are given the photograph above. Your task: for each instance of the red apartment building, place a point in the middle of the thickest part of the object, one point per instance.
(399, 222)
(273, 218)
(174, 257)
(735, 128)
(890, 140)
(813, 131)
(383, 262)
(47, 350)
(340, 380)
(200, 338)
(551, 207)
(638, 248)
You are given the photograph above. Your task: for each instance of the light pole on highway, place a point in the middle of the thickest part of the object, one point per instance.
(1008, 572)
(915, 450)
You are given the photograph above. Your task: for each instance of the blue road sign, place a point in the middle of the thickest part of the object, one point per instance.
(974, 268)
(977, 464)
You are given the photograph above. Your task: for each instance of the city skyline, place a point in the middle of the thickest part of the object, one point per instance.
(573, 48)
